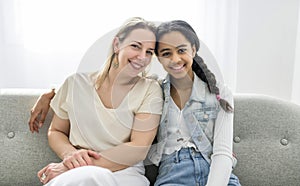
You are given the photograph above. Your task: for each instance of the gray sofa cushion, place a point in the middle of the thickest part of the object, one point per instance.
(266, 139)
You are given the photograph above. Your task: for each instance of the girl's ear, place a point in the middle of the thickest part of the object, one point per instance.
(194, 51)
(116, 43)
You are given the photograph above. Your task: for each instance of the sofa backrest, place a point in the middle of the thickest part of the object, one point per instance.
(22, 153)
(266, 141)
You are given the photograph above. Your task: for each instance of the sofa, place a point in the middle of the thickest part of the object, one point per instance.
(266, 140)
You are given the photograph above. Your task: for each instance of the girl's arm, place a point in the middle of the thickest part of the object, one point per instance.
(39, 111)
(221, 159)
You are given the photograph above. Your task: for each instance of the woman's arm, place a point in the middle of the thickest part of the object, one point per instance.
(115, 158)
(58, 137)
(134, 151)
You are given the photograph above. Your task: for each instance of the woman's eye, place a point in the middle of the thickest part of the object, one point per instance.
(150, 53)
(135, 46)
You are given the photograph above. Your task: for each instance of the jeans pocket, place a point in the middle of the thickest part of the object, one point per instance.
(166, 166)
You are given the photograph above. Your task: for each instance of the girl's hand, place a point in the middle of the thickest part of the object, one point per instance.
(80, 158)
(51, 171)
(39, 111)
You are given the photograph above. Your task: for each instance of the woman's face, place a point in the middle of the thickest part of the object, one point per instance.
(135, 52)
(176, 54)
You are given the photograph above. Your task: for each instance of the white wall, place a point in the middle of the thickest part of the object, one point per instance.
(1, 42)
(266, 46)
(38, 34)
(266, 36)
(296, 80)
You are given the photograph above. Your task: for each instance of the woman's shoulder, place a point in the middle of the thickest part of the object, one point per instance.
(82, 76)
(149, 82)
(148, 86)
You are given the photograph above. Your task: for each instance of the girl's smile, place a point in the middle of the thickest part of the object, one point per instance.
(177, 68)
(176, 54)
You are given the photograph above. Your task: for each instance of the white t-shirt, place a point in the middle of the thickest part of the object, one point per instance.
(92, 125)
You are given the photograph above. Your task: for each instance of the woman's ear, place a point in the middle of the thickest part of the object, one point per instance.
(116, 43)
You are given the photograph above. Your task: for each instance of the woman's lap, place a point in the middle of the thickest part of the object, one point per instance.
(97, 176)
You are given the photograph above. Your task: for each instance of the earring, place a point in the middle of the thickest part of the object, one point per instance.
(115, 62)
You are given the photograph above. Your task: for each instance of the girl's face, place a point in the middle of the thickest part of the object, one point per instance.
(135, 52)
(176, 54)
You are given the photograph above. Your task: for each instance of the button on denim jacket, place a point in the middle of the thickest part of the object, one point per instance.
(199, 117)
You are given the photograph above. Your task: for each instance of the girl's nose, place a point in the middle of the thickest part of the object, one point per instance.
(175, 58)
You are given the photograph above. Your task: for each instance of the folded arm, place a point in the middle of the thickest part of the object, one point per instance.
(115, 158)
(134, 151)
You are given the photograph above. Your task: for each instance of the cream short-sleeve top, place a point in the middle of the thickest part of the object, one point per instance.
(92, 125)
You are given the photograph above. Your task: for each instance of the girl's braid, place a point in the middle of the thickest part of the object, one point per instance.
(201, 70)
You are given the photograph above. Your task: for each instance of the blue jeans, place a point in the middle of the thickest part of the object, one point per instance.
(186, 167)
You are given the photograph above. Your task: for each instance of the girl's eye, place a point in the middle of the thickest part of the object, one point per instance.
(181, 50)
(165, 54)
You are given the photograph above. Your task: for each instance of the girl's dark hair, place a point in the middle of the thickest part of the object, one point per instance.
(198, 66)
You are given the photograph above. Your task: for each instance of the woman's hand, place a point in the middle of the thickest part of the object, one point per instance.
(39, 111)
(75, 159)
(51, 171)
(80, 158)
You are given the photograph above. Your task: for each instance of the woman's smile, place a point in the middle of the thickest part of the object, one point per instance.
(136, 65)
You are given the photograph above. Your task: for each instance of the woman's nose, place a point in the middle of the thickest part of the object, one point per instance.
(142, 55)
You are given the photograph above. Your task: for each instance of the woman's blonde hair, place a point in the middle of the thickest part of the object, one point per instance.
(130, 25)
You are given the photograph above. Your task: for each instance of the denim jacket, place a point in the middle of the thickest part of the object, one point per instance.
(200, 119)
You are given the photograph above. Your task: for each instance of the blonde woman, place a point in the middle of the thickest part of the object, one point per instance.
(104, 122)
